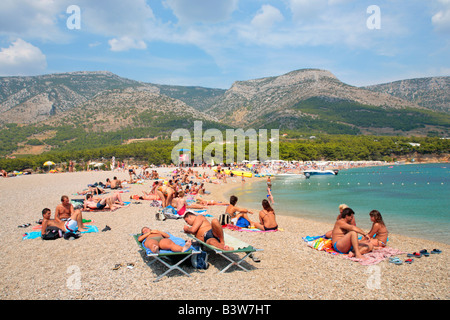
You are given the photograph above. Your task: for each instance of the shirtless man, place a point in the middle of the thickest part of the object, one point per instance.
(345, 236)
(211, 233)
(101, 203)
(341, 208)
(236, 212)
(70, 225)
(115, 183)
(65, 211)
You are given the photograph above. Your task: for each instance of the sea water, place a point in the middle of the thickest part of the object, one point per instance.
(414, 200)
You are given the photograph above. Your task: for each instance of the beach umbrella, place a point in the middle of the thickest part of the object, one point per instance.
(183, 150)
(49, 163)
(99, 164)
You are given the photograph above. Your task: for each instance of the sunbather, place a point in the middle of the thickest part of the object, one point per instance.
(341, 207)
(378, 230)
(65, 211)
(345, 236)
(267, 219)
(70, 225)
(156, 240)
(165, 193)
(200, 227)
(113, 202)
(236, 212)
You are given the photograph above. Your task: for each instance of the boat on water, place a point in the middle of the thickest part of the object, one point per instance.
(314, 172)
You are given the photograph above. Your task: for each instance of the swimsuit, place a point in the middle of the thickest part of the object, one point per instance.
(209, 235)
(100, 206)
(71, 225)
(336, 249)
(182, 210)
(269, 229)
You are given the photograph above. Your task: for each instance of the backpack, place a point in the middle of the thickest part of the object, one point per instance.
(52, 233)
(224, 219)
(200, 261)
(242, 222)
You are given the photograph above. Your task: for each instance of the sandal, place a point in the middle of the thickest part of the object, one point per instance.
(25, 225)
(434, 251)
(425, 252)
(117, 266)
(395, 260)
(414, 255)
(409, 261)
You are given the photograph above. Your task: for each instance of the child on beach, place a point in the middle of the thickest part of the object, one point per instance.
(378, 230)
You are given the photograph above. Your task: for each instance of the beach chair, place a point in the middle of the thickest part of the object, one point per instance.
(164, 254)
(239, 247)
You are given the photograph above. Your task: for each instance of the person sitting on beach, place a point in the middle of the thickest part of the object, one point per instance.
(236, 212)
(208, 232)
(116, 184)
(70, 225)
(101, 203)
(378, 230)
(65, 211)
(179, 203)
(165, 193)
(345, 236)
(156, 240)
(267, 219)
(341, 207)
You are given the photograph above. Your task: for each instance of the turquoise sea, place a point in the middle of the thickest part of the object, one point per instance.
(414, 200)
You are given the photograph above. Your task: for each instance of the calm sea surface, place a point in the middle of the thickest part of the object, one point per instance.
(414, 200)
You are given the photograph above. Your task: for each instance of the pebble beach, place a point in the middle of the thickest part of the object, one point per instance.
(83, 269)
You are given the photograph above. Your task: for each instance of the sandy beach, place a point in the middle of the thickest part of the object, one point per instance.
(288, 270)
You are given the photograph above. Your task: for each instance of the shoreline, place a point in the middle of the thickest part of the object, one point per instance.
(36, 269)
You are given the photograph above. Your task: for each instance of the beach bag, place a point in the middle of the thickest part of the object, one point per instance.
(224, 219)
(160, 215)
(242, 222)
(200, 261)
(52, 233)
(170, 213)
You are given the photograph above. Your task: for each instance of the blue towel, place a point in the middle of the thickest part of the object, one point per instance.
(37, 234)
(176, 240)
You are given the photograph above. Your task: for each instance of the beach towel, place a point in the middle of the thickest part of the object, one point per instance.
(321, 243)
(250, 229)
(37, 234)
(177, 240)
(126, 204)
(376, 256)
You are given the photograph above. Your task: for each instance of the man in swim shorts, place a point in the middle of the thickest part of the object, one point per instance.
(345, 236)
(211, 233)
(70, 225)
(65, 211)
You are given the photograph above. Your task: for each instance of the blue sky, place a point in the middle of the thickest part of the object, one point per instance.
(212, 43)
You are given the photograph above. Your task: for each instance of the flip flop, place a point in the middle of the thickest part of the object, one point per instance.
(395, 260)
(425, 252)
(414, 255)
(117, 266)
(130, 265)
(434, 251)
(409, 261)
(106, 228)
(25, 225)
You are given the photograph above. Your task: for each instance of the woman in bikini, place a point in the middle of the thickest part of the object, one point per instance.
(378, 230)
(156, 240)
(266, 218)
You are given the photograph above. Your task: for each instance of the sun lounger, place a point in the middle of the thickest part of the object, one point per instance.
(164, 254)
(239, 247)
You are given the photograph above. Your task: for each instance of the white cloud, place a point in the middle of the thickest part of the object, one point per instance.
(126, 43)
(441, 20)
(22, 58)
(203, 11)
(266, 17)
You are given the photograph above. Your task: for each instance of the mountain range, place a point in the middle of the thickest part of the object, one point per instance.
(306, 100)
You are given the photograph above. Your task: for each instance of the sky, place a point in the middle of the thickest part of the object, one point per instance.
(213, 43)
